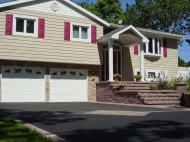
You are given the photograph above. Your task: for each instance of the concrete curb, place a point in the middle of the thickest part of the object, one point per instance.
(46, 134)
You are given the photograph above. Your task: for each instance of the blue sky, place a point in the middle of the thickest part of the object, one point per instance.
(183, 51)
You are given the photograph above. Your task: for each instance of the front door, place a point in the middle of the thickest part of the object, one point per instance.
(105, 66)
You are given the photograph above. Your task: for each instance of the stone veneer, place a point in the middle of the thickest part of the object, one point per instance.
(106, 92)
(93, 74)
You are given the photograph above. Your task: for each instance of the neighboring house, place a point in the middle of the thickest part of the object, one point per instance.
(56, 51)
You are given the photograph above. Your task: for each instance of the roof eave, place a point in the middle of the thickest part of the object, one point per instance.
(67, 1)
(175, 36)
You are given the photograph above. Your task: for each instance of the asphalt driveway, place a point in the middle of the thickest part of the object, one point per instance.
(93, 122)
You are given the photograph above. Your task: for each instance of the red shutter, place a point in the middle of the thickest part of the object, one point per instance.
(93, 34)
(165, 48)
(136, 50)
(67, 31)
(41, 28)
(9, 24)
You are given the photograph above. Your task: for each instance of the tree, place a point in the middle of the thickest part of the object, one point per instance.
(164, 15)
(108, 10)
(188, 40)
(182, 63)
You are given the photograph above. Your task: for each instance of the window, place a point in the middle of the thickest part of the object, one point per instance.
(153, 47)
(80, 32)
(24, 25)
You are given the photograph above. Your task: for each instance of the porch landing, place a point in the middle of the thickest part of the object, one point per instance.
(136, 93)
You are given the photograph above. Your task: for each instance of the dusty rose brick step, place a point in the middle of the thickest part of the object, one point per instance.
(161, 98)
(159, 95)
(157, 91)
(161, 102)
(136, 88)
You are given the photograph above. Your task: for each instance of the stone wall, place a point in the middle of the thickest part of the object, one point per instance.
(93, 74)
(106, 92)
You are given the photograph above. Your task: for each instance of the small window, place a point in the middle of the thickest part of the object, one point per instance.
(54, 73)
(24, 25)
(154, 46)
(151, 74)
(38, 72)
(80, 32)
(81, 74)
(84, 33)
(29, 71)
(63, 72)
(8, 71)
(75, 32)
(150, 45)
(17, 70)
(73, 73)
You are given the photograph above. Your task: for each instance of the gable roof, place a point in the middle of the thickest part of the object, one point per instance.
(115, 33)
(150, 31)
(12, 3)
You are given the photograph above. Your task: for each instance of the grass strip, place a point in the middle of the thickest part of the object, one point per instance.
(11, 131)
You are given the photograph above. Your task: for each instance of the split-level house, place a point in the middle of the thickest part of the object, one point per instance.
(56, 51)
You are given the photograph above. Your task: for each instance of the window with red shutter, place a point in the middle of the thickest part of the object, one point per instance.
(27, 26)
(165, 48)
(136, 50)
(67, 31)
(9, 24)
(41, 28)
(93, 34)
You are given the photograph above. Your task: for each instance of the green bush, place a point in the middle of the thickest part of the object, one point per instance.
(188, 83)
(167, 85)
(121, 85)
(152, 87)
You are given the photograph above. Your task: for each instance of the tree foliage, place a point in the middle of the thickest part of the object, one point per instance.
(108, 10)
(164, 15)
(182, 63)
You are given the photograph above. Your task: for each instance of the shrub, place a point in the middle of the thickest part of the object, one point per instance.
(168, 85)
(152, 87)
(137, 76)
(117, 75)
(120, 85)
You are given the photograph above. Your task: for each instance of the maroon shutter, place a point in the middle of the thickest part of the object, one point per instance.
(93, 34)
(165, 48)
(136, 50)
(41, 28)
(67, 31)
(9, 24)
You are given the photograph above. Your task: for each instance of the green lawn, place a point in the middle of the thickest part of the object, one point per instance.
(11, 131)
(188, 90)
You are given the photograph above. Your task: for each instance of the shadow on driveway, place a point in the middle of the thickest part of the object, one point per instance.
(145, 131)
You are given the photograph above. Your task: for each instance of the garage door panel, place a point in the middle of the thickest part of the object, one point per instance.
(65, 85)
(23, 84)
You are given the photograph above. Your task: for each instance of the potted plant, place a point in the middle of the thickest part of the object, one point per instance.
(137, 77)
(121, 86)
(116, 76)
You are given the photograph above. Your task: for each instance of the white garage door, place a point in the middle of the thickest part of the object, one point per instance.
(23, 84)
(68, 85)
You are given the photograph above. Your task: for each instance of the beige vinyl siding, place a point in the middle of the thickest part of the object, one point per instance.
(127, 65)
(52, 48)
(170, 63)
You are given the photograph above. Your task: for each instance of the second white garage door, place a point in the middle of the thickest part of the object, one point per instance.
(68, 85)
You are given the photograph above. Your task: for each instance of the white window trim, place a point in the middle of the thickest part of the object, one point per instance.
(151, 70)
(153, 44)
(80, 25)
(35, 34)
